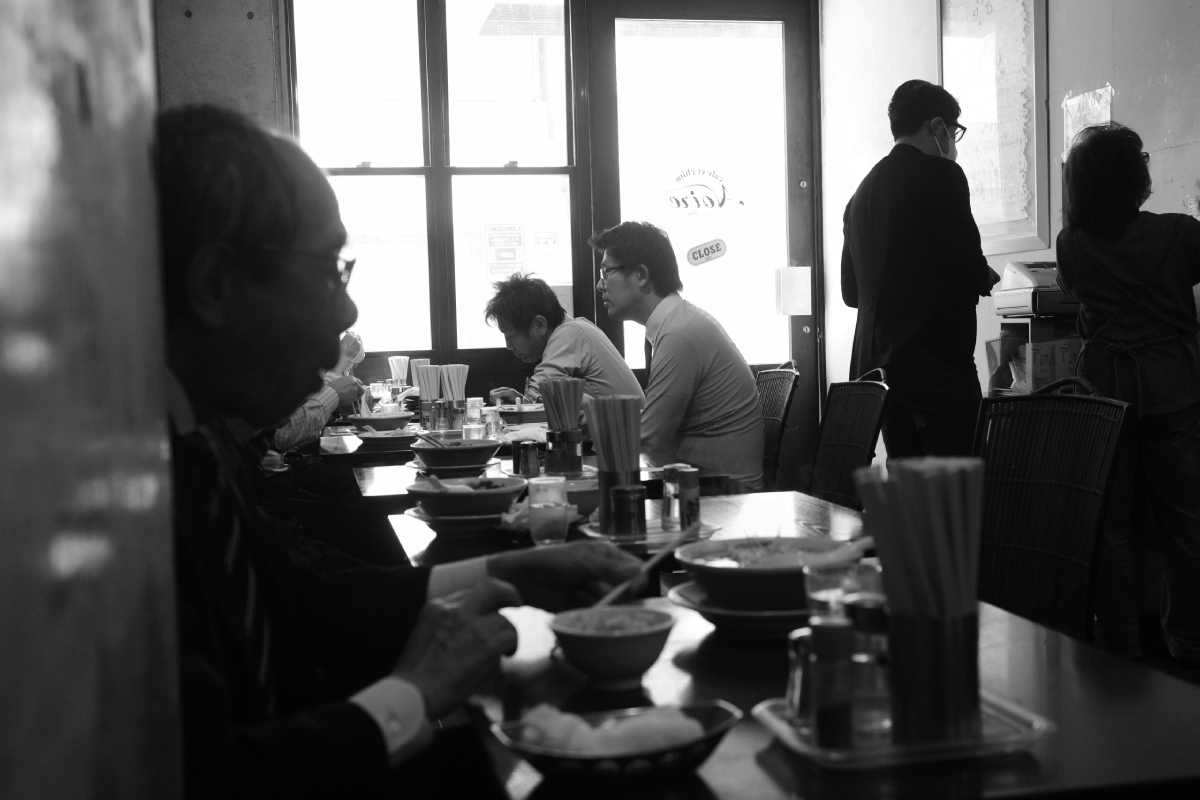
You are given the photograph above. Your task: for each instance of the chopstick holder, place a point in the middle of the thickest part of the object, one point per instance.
(926, 518)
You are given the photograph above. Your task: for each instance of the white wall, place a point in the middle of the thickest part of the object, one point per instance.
(1149, 50)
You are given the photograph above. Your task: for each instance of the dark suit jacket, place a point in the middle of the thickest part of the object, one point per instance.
(913, 267)
(336, 626)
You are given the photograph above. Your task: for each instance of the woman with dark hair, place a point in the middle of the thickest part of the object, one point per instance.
(1133, 272)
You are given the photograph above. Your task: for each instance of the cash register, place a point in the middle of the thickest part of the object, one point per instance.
(1030, 288)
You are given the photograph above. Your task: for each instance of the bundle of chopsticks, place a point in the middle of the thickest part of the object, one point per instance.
(926, 517)
(562, 397)
(399, 367)
(616, 427)
(454, 381)
(428, 379)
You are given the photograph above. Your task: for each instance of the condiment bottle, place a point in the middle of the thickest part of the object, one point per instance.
(474, 410)
(689, 495)
(830, 663)
(628, 510)
(799, 685)
(491, 418)
(670, 497)
(441, 415)
(871, 695)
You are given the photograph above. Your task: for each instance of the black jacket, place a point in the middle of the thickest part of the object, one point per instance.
(913, 267)
(337, 625)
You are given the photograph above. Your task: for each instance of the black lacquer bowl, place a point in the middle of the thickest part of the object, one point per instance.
(716, 716)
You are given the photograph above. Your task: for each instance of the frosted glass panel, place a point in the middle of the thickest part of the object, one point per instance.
(988, 64)
(702, 152)
(502, 225)
(385, 219)
(358, 82)
(507, 75)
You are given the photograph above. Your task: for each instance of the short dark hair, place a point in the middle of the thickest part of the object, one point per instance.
(634, 243)
(221, 179)
(916, 102)
(520, 298)
(1105, 180)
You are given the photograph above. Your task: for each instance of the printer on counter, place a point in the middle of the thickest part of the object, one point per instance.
(1031, 288)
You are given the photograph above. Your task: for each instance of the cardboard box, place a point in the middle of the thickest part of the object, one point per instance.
(1066, 356)
(1040, 364)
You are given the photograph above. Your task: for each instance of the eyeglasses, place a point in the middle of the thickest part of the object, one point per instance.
(1145, 158)
(959, 130)
(605, 272)
(343, 266)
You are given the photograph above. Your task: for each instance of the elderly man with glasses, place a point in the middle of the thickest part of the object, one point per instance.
(304, 672)
(913, 267)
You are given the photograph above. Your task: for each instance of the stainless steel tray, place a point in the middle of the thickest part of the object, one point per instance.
(1007, 728)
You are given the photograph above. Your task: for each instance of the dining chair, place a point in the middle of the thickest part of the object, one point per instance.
(1048, 463)
(849, 430)
(775, 390)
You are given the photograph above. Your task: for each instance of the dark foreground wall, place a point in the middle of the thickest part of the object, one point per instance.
(87, 650)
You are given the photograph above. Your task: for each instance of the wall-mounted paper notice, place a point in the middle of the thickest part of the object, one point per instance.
(793, 291)
(1082, 110)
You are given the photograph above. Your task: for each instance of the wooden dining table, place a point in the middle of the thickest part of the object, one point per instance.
(1123, 729)
(385, 487)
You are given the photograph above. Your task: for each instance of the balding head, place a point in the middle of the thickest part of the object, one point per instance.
(250, 239)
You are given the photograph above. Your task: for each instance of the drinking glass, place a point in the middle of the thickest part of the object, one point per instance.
(548, 522)
(548, 490)
(377, 389)
(828, 586)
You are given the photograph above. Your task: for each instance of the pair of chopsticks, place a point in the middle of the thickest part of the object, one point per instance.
(687, 533)
(433, 440)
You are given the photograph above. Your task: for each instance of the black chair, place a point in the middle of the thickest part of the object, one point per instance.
(853, 414)
(775, 390)
(1048, 462)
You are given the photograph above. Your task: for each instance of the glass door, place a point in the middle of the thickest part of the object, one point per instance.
(703, 155)
(702, 111)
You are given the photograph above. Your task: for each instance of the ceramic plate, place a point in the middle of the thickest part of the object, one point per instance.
(526, 407)
(473, 471)
(456, 526)
(748, 624)
(654, 540)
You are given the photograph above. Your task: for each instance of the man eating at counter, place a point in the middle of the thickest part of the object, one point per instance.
(701, 401)
(538, 331)
(304, 672)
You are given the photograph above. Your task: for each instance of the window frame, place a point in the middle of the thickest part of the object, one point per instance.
(485, 363)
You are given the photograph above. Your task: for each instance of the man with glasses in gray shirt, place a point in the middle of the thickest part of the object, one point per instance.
(701, 401)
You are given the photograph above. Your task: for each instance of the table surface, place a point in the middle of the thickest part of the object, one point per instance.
(1122, 727)
(387, 486)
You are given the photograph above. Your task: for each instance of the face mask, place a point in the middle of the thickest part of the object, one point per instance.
(950, 154)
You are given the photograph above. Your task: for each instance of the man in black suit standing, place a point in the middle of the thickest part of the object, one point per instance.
(304, 672)
(913, 267)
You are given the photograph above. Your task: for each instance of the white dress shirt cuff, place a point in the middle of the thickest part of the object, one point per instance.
(446, 579)
(399, 709)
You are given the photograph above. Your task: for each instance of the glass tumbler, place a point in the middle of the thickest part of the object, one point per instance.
(827, 587)
(548, 490)
(548, 523)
